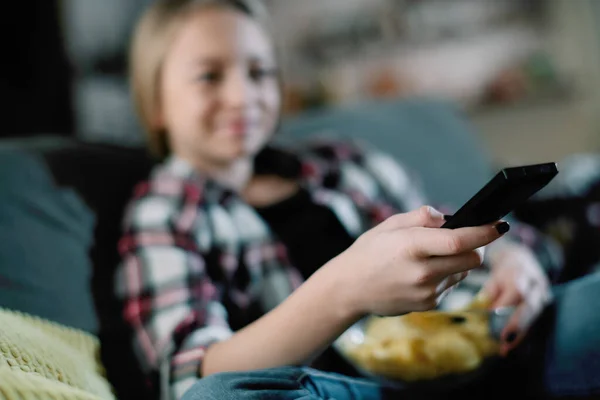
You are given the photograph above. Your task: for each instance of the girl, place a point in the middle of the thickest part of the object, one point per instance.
(241, 256)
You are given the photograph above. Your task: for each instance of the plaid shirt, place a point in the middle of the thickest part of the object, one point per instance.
(197, 259)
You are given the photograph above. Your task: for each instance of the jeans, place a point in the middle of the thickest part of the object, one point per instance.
(559, 358)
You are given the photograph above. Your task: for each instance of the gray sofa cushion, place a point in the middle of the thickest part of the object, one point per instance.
(45, 235)
(55, 262)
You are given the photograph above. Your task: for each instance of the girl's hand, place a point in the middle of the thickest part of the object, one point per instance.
(407, 263)
(517, 280)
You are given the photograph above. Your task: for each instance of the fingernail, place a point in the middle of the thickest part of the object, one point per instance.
(447, 217)
(511, 337)
(435, 213)
(502, 227)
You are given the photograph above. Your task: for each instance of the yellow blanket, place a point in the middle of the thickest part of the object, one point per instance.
(43, 360)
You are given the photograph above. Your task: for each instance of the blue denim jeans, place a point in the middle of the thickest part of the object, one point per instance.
(561, 357)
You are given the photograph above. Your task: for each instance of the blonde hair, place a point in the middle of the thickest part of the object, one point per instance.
(151, 40)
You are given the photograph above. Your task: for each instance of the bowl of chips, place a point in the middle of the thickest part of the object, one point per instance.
(447, 347)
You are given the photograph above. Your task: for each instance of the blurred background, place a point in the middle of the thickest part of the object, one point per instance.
(525, 72)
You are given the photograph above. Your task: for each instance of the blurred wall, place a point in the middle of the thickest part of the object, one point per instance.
(558, 128)
(83, 87)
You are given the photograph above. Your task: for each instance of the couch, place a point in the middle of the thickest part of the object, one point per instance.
(62, 200)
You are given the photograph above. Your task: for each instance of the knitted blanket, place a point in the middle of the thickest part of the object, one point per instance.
(44, 360)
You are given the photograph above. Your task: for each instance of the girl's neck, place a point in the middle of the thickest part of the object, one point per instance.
(235, 176)
(240, 178)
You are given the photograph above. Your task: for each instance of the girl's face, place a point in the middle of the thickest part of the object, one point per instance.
(219, 91)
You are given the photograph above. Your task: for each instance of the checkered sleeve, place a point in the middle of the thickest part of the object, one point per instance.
(400, 186)
(370, 176)
(169, 300)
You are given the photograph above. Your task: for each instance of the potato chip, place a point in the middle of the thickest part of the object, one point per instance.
(426, 345)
